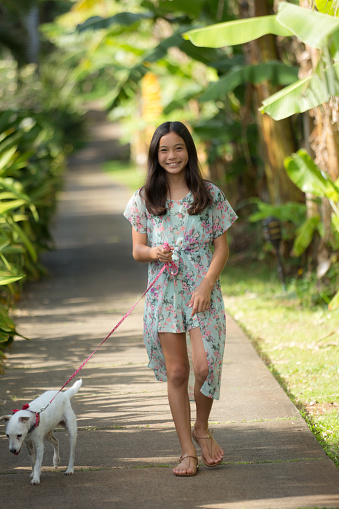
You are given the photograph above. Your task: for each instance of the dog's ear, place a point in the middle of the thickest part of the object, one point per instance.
(5, 418)
(23, 419)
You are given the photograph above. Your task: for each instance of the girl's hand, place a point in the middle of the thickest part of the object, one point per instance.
(163, 255)
(201, 297)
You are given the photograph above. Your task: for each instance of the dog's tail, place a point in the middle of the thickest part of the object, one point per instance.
(74, 389)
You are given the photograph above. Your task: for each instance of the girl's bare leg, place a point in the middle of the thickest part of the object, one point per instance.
(177, 367)
(210, 450)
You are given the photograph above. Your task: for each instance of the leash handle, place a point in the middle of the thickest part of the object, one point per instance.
(173, 270)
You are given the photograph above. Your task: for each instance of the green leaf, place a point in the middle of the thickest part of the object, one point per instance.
(311, 27)
(11, 205)
(25, 240)
(300, 96)
(182, 97)
(334, 302)
(122, 18)
(208, 56)
(275, 72)
(131, 83)
(188, 7)
(307, 176)
(231, 33)
(287, 212)
(6, 157)
(328, 6)
(6, 280)
(335, 221)
(305, 235)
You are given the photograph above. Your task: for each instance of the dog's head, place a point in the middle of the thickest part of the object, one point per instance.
(16, 429)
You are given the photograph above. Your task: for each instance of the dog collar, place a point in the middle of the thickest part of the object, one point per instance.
(37, 416)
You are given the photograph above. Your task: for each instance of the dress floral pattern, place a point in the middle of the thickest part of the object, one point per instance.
(166, 304)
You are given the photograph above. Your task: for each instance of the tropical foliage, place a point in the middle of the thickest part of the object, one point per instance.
(136, 58)
(319, 30)
(38, 129)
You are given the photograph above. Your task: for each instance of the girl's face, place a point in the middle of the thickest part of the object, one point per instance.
(172, 154)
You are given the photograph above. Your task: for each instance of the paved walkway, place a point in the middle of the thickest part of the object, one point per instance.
(126, 443)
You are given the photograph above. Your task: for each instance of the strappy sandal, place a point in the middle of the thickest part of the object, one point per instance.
(187, 474)
(207, 437)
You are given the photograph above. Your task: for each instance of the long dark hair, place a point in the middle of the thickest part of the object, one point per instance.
(156, 186)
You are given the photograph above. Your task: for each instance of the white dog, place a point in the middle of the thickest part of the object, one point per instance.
(31, 426)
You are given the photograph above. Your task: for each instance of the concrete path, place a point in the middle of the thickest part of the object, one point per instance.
(126, 442)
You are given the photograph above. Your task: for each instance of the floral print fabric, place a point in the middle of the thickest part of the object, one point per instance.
(166, 304)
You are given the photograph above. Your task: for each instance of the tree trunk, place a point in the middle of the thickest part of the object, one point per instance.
(277, 140)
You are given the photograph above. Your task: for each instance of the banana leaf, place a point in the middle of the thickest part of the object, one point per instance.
(276, 72)
(301, 95)
(287, 212)
(305, 235)
(330, 7)
(307, 176)
(122, 19)
(182, 97)
(236, 32)
(131, 83)
(311, 27)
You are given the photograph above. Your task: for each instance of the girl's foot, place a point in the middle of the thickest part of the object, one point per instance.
(211, 453)
(188, 466)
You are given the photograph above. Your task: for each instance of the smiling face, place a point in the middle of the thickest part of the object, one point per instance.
(172, 154)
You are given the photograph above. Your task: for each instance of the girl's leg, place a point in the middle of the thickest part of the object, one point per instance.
(210, 450)
(177, 368)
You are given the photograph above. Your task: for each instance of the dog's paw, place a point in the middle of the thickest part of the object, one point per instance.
(35, 481)
(69, 471)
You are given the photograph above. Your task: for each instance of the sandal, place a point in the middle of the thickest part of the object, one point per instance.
(189, 461)
(207, 437)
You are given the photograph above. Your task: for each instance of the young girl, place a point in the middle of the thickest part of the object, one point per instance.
(176, 206)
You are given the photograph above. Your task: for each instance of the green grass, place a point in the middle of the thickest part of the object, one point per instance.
(299, 345)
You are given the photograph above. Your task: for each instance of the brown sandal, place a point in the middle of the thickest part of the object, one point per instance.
(207, 437)
(188, 475)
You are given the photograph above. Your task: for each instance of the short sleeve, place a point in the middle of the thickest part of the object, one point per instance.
(136, 213)
(222, 212)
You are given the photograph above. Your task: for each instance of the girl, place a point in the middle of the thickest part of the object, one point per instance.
(178, 207)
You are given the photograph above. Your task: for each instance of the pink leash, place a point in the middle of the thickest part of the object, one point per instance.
(173, 270)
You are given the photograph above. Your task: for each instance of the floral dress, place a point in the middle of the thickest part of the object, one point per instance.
(166, 304)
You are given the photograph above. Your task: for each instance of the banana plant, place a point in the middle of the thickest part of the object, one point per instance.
(309, 178)
(317, 29)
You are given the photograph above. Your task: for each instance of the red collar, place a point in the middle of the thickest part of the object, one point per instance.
(37, 416)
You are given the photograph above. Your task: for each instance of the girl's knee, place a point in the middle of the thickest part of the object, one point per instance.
(178, 375)
(201, 373)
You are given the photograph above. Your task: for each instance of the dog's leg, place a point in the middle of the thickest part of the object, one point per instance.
(39, 453)
(31, 453)
(71, 426)
(55, 442)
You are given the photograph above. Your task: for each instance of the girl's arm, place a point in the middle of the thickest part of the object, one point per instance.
(201, 297)
(144, 253)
